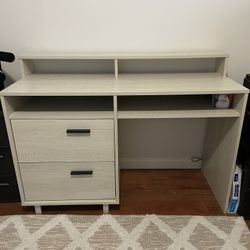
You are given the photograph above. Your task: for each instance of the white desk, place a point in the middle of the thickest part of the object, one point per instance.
(63, 128)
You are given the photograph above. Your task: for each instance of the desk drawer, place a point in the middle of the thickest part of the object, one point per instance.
(68, 181)
(64, 140)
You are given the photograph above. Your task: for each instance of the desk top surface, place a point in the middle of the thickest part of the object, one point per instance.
(126, 84)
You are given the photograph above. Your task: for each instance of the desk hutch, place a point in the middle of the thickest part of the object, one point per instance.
(63, 124)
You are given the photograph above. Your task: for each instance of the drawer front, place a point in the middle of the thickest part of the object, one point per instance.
(68, 181)
(4, 141)
(6, 163)
(64, 140)
(9, 190)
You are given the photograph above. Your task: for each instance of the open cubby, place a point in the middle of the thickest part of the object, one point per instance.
(70, 66)
(180, 102)
(116, 64)
(166, 65)
(178, 106)
(161, 143)
(65, 107)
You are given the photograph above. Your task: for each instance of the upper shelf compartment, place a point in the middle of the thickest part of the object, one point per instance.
(67, 66)
(123, 74)
(171, 65)
(123, 63)
(61, 107)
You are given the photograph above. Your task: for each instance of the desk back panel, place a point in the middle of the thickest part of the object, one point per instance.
(161, 143)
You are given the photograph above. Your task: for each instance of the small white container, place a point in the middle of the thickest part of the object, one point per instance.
(222, 101)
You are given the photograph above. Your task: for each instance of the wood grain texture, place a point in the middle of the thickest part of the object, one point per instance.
(116, 151)
(223, 135)
(47, 140)
(169, 192)
(220, 151)
(54, 182)
(156, 114)
(126, 84)
(64, 115)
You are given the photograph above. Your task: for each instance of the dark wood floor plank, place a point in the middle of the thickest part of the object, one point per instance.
(169, 192)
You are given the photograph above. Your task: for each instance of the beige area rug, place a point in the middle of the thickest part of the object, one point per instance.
(123, 232)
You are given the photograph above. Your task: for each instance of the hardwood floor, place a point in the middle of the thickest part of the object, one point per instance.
(169, 192)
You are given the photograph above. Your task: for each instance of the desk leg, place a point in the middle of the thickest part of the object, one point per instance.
(38, 209)
(105, 208)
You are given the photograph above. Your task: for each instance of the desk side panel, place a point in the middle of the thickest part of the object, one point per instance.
(220, 152)
(117, 170)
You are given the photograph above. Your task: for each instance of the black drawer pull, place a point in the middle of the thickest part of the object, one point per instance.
(85, 172)
(4, 184)
(78, 131)
(1, 156)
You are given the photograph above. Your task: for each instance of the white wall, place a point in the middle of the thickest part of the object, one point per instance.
(127, 25)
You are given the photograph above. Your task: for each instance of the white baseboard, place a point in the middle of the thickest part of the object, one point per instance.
(158, 163)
